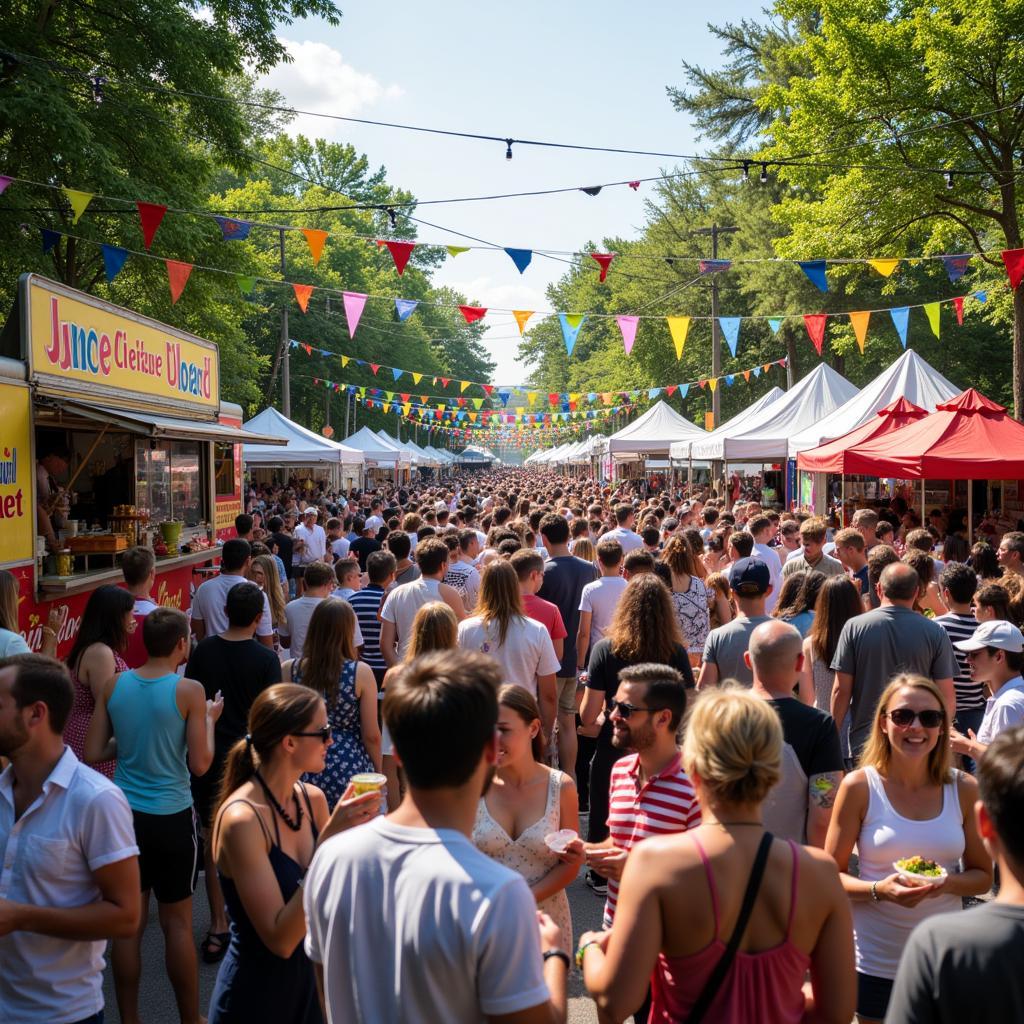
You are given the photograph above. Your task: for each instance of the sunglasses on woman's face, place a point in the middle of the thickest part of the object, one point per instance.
(903, 718)
(323, 734)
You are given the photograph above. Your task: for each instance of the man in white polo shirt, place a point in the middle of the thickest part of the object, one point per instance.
(209, 606)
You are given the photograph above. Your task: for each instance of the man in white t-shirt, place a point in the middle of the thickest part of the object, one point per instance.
(760, 528)
(375, 521)
(208, 612)
(314, 540)
(625, 519)
(319, 584)
(445, 932)
(599, 599)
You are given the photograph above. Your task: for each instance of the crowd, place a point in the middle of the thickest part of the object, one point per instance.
(788, 755)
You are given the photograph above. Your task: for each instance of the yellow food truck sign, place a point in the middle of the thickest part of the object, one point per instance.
(17, 523)
(113, 353)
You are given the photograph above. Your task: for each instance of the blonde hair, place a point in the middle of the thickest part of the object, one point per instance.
(734, 743)
(499, 600)
(272, 588)
(434, 628)
(583, 548)
(877, 752)
(717, 582)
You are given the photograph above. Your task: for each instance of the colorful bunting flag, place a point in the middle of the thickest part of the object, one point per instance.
(455, 250)
(712, 383)
(958, 305)
(4, 182)
(815, 271)
(113, 260)
(50, 239)
(678, 327)
(463, 384)
(79, 201)
(714, 266)
(604, 261)
(245, 283)
(571, 324)
(1013, 260)
(730, 327)
(400, 252)
(404, 308)
(302, 294)
(885, 267)
(628, 326)
(522, 315)
(859, 321)
(315, 239)
(417, 377)
(233, 230)
(396, 373)
(775, 322)
(684, 390)
(520, 257)
(815, 324)
(932, 311)
(901, 320)
(354, 303)
(150, 217)
(956, 266)
(593, 190)
(177, 277)
(472, 313)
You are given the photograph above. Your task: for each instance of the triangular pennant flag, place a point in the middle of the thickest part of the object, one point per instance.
(375, 367)
(463, 384)
(404, 396)
(245, 284)
(901, 319)
(712, 383)
(982, 297)
(958, 305)
(859, 322)
(684, 390)
(628, 326)
(233, 230)
(756, 371)
(956, 266)
(177, 277)
(592, 190)
(714, 266)
(531, 397)
(730, 327)
(746, 376)
(815, 271)
(150, 216)
(79, 201)
(302, 294)
(445, 381)
(400, 252)
(885, 267)
(571, 324)
(522, 315)
(932, 310)
(354, 303)
(1013, 259)
(472, 313)
(504, 396)
(396, 373)
(678, 327)
(520, 257)
(604, 261)
(344, 361)
(315, 239)
(4, 182)
(113, 260)
(455, 250)
(406, 406)
(417, 377)
(815, 324)
(478, 402)
(404, 308)
(50, 239)
(488, 388)
(671, 389)
(775, 322)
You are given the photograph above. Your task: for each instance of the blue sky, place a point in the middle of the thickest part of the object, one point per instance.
(589, 73)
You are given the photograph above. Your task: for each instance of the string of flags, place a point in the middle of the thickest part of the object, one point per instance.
(151, 216)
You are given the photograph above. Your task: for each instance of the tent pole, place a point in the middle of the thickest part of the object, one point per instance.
(923, 516)
(970, 513)
(842, 500)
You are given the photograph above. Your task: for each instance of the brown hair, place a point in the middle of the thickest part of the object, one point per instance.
(499, 600)
(837, 603)
(524, 704)
(329, 644)
(583, 548)
(271, 587)
(644, 626)
(678, 556)
(434, 628)
(8, 601)
(136, 565)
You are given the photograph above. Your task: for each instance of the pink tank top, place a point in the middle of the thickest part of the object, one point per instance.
(766, 986)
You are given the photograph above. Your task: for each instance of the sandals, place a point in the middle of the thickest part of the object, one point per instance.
(214, 946)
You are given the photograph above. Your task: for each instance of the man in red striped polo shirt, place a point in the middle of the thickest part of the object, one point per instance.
(650, 793)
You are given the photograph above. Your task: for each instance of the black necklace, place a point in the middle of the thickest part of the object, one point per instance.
(293, 825)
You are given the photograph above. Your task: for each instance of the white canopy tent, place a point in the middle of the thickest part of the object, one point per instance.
(377, 454)
(765, 437)
(402, 446)
(909, 377)
(652, 434)
(681, 449)
(443, 456)
(425, 458)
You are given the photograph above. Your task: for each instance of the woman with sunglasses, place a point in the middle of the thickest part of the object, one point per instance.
(904, 801)
(265, 974)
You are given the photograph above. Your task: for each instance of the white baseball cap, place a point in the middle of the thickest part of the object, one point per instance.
(1004, 635)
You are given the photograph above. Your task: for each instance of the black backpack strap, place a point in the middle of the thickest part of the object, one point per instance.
(714, 982)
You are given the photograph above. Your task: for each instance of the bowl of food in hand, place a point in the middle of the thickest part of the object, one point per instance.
(920, 870)
(558, 842)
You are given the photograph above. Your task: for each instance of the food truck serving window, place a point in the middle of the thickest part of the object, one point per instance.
(169, 480)
(224, 470)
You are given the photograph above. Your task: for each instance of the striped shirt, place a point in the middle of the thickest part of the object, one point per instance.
(970, 695)
(663, 805)
(366, 603)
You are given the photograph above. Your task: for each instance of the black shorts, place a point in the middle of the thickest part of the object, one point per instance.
(206, 789)
(169, 853)
(873, 995)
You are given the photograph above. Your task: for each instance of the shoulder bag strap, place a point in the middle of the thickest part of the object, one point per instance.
(714, 982)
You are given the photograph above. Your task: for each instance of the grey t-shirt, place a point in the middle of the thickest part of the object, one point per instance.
(880, 644)
(964, 966)
(726, 646)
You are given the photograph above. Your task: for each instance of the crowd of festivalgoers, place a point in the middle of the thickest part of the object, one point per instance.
(787, 753)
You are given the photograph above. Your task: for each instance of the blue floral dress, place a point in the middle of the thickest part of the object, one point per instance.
(346, 756)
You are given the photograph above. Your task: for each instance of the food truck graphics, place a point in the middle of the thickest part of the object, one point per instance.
(135, 405)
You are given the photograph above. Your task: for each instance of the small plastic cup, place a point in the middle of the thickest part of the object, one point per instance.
(368, 782)
(557, 842)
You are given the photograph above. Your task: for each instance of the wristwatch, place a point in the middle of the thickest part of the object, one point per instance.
(560, 954)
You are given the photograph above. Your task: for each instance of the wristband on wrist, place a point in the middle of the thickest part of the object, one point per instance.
(560, 954)
(874, 893)
(582, 950)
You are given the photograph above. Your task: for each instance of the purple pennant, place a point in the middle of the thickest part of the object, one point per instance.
(956, 266)
(714, 266)
(233, 230)
(4, 182)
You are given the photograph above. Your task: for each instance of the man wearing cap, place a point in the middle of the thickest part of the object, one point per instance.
(724, 648)
(995, 655)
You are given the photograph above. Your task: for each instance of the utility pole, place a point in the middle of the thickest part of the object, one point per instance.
(716, 335)
(286, 370)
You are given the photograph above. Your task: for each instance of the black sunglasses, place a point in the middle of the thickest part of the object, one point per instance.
(624, 708)
(904, 718)
(323, 734)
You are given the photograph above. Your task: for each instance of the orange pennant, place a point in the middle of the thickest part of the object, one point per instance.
(860, 327)
(302, 294)
(522, 315)
(177, 277)
(315, 240)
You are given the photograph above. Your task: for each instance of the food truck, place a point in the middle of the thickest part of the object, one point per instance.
(113, 434)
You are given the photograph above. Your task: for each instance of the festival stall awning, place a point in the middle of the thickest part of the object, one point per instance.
(652, 434)
(681, 449)
(374, 449)
(910, 377)
(765, 437)
(831, 457)
(401, 446)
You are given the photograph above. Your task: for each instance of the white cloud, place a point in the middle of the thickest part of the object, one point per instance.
(319, 80)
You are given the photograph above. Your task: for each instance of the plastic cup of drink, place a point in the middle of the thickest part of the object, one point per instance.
(557, 841)
(368, 782)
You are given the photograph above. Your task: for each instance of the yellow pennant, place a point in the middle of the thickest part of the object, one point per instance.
(454, 250)
(463, 384)
(79, 201)
(344, 361)
(712, 383)
(531, 397)
(417, 377)
(931, 310)
(522, 315)
(406, 406)
(679, 327)
(860, 327)
(885, 267)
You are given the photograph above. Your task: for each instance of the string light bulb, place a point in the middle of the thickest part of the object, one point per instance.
(746, 170)
(508, 149)
(763, 178)
(948, 175)
(97, 81)
(393, 217)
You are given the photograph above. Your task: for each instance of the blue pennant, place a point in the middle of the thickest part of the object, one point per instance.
(956, 266)
(396, 372)
(404, 308)
(729, 379)
(520, 257)
(981, 296)
(653, 392)
(684, 390)
(901, 319)
(775, 322)
(730, 326)
(113, 260)
(50, 239)
(569, 331)
(815, 271)
(233, 230)
(756, 371)
(504, 396)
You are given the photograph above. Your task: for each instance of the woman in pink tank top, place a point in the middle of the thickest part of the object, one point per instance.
(681, 897)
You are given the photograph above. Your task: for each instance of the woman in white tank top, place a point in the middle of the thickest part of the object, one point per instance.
(904, 801)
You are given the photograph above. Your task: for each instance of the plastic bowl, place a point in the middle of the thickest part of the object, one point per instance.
(920, 879)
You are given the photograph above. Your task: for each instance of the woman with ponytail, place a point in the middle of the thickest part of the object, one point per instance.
(266, 974)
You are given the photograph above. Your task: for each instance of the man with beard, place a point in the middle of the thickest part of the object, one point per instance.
(69, 867)
(445, 932)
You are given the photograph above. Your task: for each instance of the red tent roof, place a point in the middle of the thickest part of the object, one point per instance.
(831, 456)
(969, 437)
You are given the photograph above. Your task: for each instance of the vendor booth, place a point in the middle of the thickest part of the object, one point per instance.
(115, 435)
(648, 437)
(384, 463)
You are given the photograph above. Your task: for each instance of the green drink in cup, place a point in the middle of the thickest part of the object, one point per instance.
(367, 782)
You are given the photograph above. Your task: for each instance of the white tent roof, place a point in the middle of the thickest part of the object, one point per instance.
(304, 448)
(765, 437)
(402, 446)
(681, 449)
(375, 450)
(547, 456)
(652, 433)
(441, 454)
(909, 377)
(422, 454)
